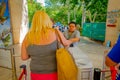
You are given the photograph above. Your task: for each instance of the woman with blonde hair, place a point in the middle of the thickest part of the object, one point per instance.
(40, 44)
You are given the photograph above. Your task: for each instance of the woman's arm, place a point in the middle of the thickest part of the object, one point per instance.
(62, 39)
(24, 55)
(75, 39)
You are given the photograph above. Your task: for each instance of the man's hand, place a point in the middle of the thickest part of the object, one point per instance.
(117, 66)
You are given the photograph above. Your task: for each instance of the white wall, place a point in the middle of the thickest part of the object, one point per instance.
(113, 14)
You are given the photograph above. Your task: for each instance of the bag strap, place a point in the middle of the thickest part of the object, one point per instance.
(57, 39)
(58, 36)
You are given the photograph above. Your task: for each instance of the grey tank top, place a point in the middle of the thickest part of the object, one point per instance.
(43, 57)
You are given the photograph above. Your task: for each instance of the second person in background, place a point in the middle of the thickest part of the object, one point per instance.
(72, 34)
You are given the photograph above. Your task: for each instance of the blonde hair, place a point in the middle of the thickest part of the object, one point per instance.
(40, 25)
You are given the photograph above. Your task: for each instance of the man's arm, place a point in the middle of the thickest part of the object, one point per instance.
(76, 38)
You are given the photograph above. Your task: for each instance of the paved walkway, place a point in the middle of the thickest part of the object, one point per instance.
(94, 50)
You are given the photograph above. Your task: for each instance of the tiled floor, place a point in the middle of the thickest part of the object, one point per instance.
(5, 74)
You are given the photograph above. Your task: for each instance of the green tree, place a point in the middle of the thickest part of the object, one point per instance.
(96, 11)
(65, 11)
(57, 11)
(32, 7)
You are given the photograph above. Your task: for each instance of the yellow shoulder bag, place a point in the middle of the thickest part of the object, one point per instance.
(66, 67)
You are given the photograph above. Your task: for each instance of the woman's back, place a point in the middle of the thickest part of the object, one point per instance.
(51, 37)
(43, 57)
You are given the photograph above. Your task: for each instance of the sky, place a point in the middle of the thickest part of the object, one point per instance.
(41, 1)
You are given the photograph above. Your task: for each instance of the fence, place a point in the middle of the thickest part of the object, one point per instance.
(94, 30)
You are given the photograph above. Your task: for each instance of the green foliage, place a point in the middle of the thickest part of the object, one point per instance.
(32, 7)
(6, 40)
(58, 10)
(99, 7)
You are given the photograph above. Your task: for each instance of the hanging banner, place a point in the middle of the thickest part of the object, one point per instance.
(5, 28)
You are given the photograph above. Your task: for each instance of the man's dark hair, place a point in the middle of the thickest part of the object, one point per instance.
(72, 23)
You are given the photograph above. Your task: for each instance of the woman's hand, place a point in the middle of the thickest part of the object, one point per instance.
(57, 27)
(69, 42)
